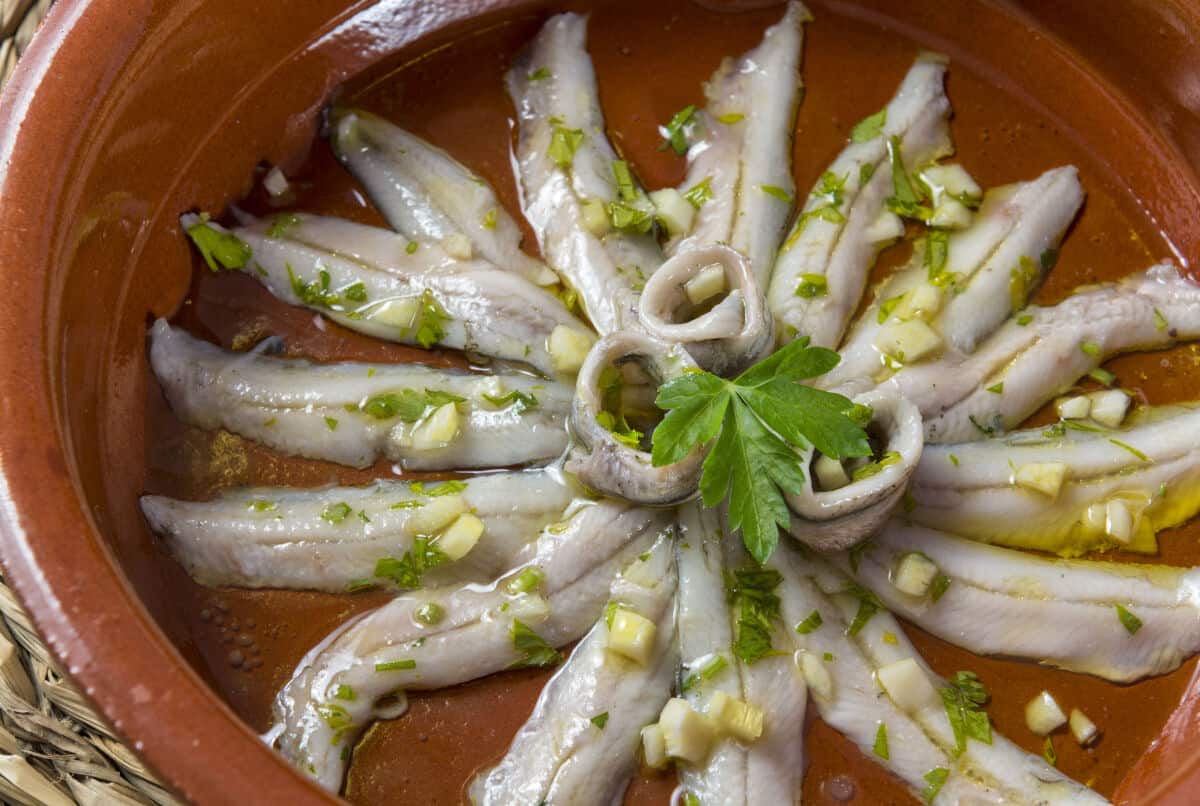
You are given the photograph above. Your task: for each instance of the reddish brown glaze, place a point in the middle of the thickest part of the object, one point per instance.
(143, 109)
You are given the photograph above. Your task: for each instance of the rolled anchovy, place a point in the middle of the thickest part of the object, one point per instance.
(346, 538)
(579, 744)
(427, 195)
(443, 637)
(841, 517)
(1150, 467)
(571, 194)
(854, 641)
(991, 268)
(619, 467)
(355, 413)
(831, 245)
(728, 337)
(1117, 621)
(368, 280)
(740, 158)
(1041, 353)
(769, 769)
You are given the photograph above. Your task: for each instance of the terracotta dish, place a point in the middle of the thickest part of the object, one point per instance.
(126, 113)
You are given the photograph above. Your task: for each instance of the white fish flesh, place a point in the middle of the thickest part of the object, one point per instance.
(355, 413)
(347, 538)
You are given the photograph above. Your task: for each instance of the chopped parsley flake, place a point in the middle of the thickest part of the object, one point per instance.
(1090, 348)
(445, 488)
(406, 572)
(540, 74)
(868, 606)
(523, 401)
(869, 128)
(564, 143)
(1128, 620)
(600, 720)
(281, 223)
(777, 192)
(730, 118)
(812, 622)
(941, 584)
(936, 778)
(396, 665)
(1131, 449)
(964, 699)
(881, 742)
(997, 389)
(336, 513)
(220, 249)
(675, 133)
(708, 671)
(699, 193)
(625, 184)
(812, 286)
(489, 219)
(534, 651)
(751, 590)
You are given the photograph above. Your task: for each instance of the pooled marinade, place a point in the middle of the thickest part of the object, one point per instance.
(983, 274)
(578, 745)
(1119, 486)
(1042, 353)
(851, 698)
(593, 229)
(442, 637)
(373, 282)
(837, 235)
(356, 413)
(341, 539)
(428, 196)
(1072, 614)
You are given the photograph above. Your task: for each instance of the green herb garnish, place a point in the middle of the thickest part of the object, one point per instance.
(755, 422)
(396, 665)
(564, 143)
(1048, 751)
(812, 622)
(700, 192)
(220, 249)
(675, 133)
(936, 778)
(534, 651)
(869, 127)
(625, 185)
(1089, 348)
(600, 720)
(406, 572)
(336, 513)
(708, 671)
(868, 606)
(812, 285)
(1131, 449)
(751, 590)
(522, 400)
(941, 584)
(1129, 621)
(964, 699)
(777, 192)
(540, 74)
(445, 488)
(881, 743)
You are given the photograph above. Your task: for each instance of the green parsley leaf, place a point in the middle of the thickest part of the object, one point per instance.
(620, 429)
(336, 513)
(627, 218)
(996, 388)
(868, 606)
(540, 74)
(777, 192)
(869, 127)
(396, 665)
(1160, 321)
(941, 584)
(936, 778)
(937, 252)
(522, 400)
(708, 671)
(625, 185)
(331, 423)
(811, 623)
(407, 571)
(408, 404)
(881, 743)
(445, 488)
(964, 699)
(430, 613)
(812, 286)
(751, 591)
(262, 505)
(220, 249)
(1128, 620)
(530, 579)
(344, 692)
(1024, 319)
(534, 651)
(675, 133)
(489, 219)
(281, 223)
(564, 143)
(700, 192)
(431, 320)
(600, 720)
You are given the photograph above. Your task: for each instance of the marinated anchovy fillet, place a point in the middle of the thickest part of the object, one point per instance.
(716, 658)
(840, 506)
(849, 655)
(579, 744)
(446, 636)
(608, 455)
(822, 267)
(1041, 353)
(430, 197)
(593, 222)
(338, 539)
(370, 281)
(739, 165)
(960, 286)
(1117, 621)
(677, 306)
(1108, 488)
(355, 414)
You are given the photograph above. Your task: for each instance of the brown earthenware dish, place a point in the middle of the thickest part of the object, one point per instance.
(126, 113)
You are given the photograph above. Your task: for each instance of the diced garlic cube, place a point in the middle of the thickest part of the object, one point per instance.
(687, 734)
(908, 341)
(921, 303)
(1043, 477)
(275, 182)
(631, 635)
(460, 536)
(654, 747)
(568, 348)
(1083, 729)
(735, 718)
(438, 429)
(435, 514)
(595, 218)
(830, 473)
(1118, 520)
(1043, 716)
(708, 283)
(886, 227)
(1109, 407)
(1074, 408)
(907, 684)
(400, 312)
(1095, 519)
(815, 675)
(673, 210)
(458, 246)
(914, 574)
(951, 180)
(951, 214)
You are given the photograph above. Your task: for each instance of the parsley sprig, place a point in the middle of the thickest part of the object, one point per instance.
(756, 423)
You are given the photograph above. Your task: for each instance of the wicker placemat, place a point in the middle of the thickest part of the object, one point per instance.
(54, 749)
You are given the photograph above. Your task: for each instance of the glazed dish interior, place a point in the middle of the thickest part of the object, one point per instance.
(1006, 128)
